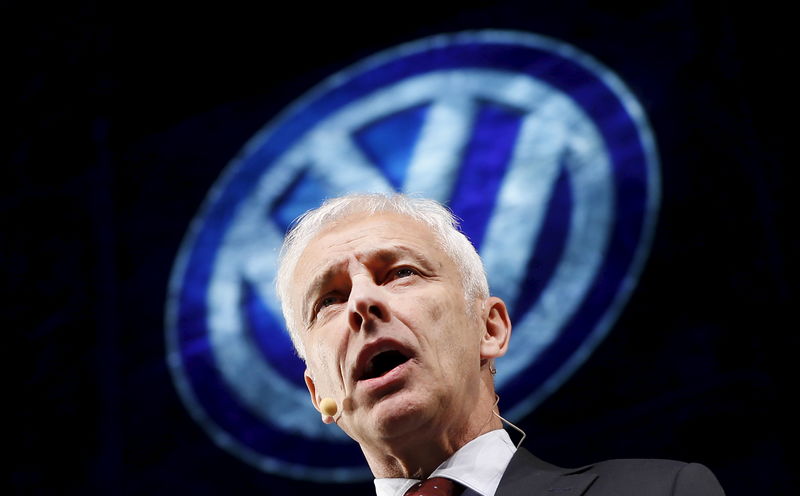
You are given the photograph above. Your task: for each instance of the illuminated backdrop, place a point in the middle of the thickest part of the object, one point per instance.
(543, 153)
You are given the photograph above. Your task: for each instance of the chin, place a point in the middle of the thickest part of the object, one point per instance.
(402, 413)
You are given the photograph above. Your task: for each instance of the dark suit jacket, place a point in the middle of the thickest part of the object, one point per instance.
(528, 475)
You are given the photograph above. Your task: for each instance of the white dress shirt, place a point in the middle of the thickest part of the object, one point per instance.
(478, 465)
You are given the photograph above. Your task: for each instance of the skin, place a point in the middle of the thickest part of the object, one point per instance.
(371, 283)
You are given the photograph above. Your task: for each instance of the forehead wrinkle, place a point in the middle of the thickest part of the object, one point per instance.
(416, 256)
(393, 253)
(384, 255)
(392, 250)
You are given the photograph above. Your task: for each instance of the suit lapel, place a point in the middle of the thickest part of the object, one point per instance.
(528, 475)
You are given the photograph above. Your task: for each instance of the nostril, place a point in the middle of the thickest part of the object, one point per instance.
(366, 311)
(355, 320)
(376, 311)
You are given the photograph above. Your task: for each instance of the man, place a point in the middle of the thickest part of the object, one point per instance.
(388, 304)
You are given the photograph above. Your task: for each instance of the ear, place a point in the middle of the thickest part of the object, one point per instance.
(312, 391)
(497, 328)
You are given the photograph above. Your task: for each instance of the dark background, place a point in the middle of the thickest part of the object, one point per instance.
(122, 118)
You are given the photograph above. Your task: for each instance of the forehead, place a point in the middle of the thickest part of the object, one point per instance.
(380, 236)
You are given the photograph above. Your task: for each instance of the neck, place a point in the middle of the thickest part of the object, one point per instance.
(416, 455)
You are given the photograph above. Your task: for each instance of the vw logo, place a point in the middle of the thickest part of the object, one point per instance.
(542, 151)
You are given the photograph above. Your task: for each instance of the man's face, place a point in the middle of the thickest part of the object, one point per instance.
(386, 328)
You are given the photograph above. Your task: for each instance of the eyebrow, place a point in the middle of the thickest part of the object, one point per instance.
(386, 256)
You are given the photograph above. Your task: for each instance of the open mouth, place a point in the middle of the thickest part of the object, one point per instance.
(382, 363)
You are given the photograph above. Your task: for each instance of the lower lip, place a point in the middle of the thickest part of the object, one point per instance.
(388, 379)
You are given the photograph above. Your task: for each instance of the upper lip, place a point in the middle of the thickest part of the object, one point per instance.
(373, 349)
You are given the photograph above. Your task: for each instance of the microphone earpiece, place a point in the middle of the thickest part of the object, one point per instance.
(502, 419)
(328, 407)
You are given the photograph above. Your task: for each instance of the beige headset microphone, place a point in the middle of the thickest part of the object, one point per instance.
(329, 407)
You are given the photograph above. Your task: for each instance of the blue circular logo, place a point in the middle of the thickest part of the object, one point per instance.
(543, 152)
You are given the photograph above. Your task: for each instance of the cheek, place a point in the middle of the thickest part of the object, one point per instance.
(435, 313)
(448, 316)
(441, 307)
(322, 365)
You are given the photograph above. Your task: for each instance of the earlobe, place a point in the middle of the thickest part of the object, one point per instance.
(312, 391)
(497, 328)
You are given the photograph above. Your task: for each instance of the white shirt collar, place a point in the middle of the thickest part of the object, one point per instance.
(479, 465)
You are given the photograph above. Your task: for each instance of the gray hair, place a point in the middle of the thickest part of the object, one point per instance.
(436, 216)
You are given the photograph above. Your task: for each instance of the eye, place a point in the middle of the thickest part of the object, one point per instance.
(326, 301)
(403, 272)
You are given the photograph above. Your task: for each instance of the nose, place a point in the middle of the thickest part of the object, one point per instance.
(367, 304)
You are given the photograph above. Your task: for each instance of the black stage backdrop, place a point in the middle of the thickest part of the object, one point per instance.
(123, 117)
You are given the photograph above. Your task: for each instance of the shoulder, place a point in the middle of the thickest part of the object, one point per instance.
(629, 477)
(653, 476)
